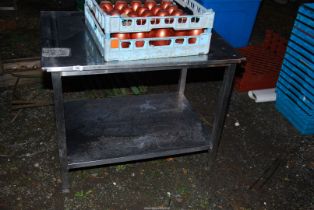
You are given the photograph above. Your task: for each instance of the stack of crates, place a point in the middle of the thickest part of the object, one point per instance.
(101, 26)
(295, 86)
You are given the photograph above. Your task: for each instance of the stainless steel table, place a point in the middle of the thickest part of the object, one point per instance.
(121, 129)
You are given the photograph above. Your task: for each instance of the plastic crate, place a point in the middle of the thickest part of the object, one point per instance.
(263, 64)
(293, 106)
(305, 14)
(295, 86)
(285, 104)
(234, 19)
(305, 27)
(302, 34)
(302, 47)
(299, 56)
(299, 77)
(304, 124)
(201, 18)
(293, 67)
(102, 26)
(300, 64)
(299, 98)
(299, 89)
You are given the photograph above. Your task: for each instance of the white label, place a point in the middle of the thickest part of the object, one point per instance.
(55, 52)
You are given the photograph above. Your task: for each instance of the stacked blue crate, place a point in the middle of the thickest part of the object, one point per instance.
(295, 86)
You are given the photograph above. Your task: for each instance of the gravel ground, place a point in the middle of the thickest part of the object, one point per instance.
(256, 137)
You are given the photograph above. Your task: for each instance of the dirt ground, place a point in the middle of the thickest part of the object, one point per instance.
(256, 139)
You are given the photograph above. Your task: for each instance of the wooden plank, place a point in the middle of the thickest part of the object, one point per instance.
(27, 77)
(21, 64)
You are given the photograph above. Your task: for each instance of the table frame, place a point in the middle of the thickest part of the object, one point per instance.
(222, 55)
(219, 117)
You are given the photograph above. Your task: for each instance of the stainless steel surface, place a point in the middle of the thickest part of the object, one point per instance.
(182, 83)
(67, 30)
(60, 124)
(117, 130)
(221, 110)
(128, 128)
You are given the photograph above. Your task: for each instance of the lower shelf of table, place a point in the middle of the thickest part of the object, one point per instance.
(129, 128)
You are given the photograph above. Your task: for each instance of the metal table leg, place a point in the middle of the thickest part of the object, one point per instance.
(60, 124)
(182, 81)
(221, 110)
(181, 86)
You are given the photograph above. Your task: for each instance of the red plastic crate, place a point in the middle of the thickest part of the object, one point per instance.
(263, 63)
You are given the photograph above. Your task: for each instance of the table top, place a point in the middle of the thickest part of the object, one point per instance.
(68, 47)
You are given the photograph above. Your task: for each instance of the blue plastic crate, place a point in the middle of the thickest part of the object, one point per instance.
(296, 99)
(304, 26)
(301, 47)
(293, 105)
(234, 19)
(305, 125)
(295, 86)
(305, 15)
(287, 104)
(309, 6)
(296, 54)
(295, 110)
(294, 68)
(306, 20)
(298, 88)
(299, 122)
(308, 69)
(301, 35)
(300, 57)
(300, 77)
(300, 98)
